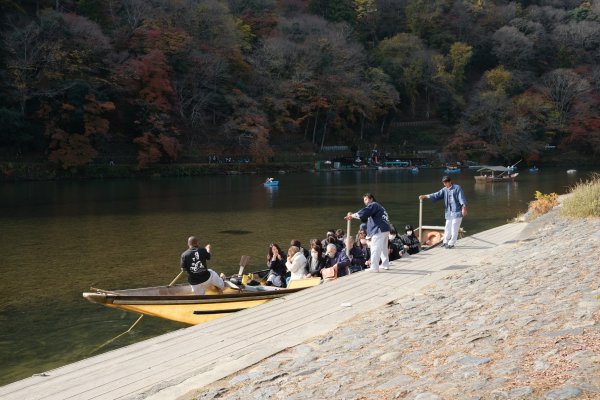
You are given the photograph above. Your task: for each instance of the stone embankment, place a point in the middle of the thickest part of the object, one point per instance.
(523, 322)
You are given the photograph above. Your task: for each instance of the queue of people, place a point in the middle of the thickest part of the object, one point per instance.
(375, 244)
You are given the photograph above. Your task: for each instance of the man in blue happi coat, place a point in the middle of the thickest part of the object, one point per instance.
(455, 209)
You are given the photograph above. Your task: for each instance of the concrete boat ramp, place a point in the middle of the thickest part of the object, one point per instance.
(176, 365)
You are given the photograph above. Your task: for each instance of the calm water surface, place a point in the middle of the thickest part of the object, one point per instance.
(59, 238)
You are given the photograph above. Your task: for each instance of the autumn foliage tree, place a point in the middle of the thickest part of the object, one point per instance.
(148, 78)
(492, 79)
(73, 130)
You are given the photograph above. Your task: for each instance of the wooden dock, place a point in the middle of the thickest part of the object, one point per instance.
(176, 365)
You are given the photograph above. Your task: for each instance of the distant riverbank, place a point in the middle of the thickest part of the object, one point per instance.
(522, 323)
(43, 171)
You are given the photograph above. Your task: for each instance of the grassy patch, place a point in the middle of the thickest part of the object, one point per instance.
(584, 200)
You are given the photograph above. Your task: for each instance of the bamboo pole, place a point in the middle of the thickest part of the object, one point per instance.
(420, 220)
(348, 235)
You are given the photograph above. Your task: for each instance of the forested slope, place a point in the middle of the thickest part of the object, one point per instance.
(168, 80)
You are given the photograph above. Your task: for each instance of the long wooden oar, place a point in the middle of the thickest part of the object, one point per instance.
(137, 321)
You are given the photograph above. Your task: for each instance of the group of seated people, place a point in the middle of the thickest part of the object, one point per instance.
(301, 263)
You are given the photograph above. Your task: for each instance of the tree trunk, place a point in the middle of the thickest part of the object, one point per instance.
(362, 126)
(427, 106)
(306, 128)
(314, 139)
(324, 132)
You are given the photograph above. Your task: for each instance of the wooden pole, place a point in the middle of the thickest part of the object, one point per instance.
(420, 220)
(175, 280)
(348, 235)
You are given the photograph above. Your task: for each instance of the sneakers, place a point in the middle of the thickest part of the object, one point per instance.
(444, 245)
(450, 246)
(385, 267)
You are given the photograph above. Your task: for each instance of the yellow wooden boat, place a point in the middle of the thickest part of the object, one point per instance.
(177, 303)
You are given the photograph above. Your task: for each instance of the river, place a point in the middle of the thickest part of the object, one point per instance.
(59, 238)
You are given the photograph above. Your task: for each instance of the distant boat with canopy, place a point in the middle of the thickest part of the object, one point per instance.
(491, 174)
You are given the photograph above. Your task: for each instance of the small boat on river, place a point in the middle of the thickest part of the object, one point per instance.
(491, 174)
(270, 182)
(451, 169)
(176, 303)
(394, 165)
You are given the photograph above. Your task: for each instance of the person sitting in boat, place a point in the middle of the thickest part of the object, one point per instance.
(296, 242)
(356, 255)
(361, 233)
(410, 241)
(193, 261)
(315, 262)
(270, 180)
(341, 237)
(296, 263)
(339, 258)
(395, 246)
(276, 264)
(327, 239)
(332, 239)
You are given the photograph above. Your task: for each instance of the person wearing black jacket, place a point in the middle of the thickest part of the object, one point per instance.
(315, 261)
(410, 241)
(276, 263)
(194, 262)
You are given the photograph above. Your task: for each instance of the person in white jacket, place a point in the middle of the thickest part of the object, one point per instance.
(296, 263)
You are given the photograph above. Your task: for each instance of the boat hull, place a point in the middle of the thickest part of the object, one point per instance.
(177, 303)
(493, 179)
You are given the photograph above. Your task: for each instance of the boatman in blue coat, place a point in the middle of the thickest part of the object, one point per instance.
(378, 229)
(456, 208)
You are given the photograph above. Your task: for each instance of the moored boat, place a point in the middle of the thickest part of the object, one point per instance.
(490, 174)
(177, 303)
(394, 165)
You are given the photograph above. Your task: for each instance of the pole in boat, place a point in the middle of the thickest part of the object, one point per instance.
(175, 280)
(348, 233)
(420, 220)
(134, 324)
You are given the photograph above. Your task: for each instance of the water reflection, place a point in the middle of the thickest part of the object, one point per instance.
(272, 193)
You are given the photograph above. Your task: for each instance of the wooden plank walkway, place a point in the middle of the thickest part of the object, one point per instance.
(175, 365)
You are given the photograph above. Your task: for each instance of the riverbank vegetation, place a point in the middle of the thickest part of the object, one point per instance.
(542, 204)
(584, 200)
(87, 83)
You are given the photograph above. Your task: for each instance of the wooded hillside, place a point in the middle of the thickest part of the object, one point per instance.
(153, 81)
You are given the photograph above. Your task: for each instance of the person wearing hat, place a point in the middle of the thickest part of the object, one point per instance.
(193, 261)
(455, 205)
(378, 229)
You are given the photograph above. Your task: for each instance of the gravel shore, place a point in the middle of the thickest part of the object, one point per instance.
(522, 323)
